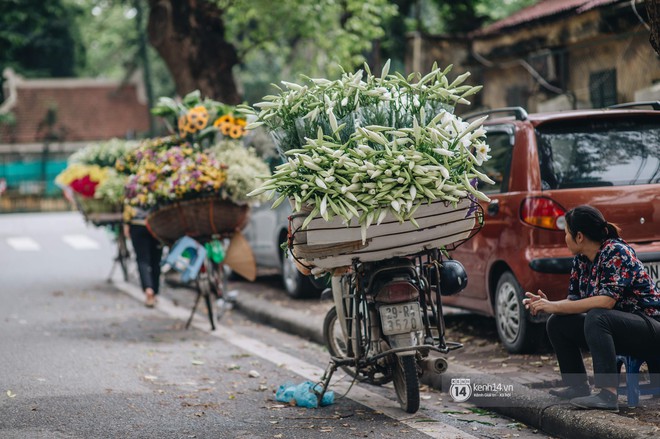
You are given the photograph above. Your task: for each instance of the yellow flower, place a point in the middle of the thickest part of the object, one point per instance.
(225, 128)
(198, 117)
(236, 132)
(227, 118)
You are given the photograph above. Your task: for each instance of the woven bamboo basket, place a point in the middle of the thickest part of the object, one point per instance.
(332, 244)
(200, 218)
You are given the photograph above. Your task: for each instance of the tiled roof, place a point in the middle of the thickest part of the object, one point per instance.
(86, 110)
(542, 9)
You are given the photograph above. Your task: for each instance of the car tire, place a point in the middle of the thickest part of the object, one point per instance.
(516, 332)
(296, 284)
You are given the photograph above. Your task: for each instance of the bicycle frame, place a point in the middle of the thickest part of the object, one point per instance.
(358, 296)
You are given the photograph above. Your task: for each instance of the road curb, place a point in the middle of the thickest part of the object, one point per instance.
(539, 409)
(284, 319)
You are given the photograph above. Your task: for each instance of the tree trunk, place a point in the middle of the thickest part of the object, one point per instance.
(653, 9)
(190, 37)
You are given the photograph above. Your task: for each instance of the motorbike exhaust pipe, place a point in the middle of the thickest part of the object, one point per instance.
(435, 365)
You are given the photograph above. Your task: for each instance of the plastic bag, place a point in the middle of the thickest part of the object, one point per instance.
(215, 250)
(304, 394)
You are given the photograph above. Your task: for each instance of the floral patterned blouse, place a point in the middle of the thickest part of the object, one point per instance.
(615, 272)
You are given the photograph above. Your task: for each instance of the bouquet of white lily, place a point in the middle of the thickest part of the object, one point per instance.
(374, 148)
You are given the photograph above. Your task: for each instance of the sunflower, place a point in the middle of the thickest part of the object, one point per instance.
(225, 128)
(227, 118)
(183, 125)
(198, 117)
(240, 122)
(236, 131)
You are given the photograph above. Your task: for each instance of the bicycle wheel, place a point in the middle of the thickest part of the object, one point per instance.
(406, 382)
(205, 285)
(123, 255)
(336, 344)
(219, 278)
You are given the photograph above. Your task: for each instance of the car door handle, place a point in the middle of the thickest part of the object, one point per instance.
(493, 207)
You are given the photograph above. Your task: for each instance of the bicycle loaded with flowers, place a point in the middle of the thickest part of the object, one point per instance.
(195, 181)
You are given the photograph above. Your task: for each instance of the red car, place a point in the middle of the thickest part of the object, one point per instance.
(543, 165)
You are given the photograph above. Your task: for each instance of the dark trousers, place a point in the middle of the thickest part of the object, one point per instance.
(148, 252)
(606, 333)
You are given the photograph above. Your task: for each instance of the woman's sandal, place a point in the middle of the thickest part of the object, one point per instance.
(150, 301)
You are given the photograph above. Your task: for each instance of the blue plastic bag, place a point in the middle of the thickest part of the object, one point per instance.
(304, 394)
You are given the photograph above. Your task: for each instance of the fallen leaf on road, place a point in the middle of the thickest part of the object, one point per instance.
(150, 377)
(254, 374)
(233, 367)
(197, 362)
(10, 394)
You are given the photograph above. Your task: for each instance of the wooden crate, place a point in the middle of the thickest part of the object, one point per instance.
(330, 244)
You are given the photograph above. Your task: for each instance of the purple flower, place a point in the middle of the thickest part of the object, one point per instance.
(474, 204)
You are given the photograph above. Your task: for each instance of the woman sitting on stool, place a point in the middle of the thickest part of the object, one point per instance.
(612, 308)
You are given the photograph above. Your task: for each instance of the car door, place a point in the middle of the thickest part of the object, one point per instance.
(477, 253)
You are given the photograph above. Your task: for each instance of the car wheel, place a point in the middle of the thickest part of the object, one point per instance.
(516, 332)
(296, 284)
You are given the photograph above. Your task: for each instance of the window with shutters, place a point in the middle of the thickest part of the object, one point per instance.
(602, 88)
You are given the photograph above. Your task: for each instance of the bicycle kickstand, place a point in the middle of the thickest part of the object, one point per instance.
(194, 308)
(325, 380)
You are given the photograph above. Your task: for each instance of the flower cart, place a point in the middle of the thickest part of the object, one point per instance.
(194, 184)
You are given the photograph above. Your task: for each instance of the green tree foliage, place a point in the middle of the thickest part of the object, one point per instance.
(111, 34)
(40, 38)
(202, 42)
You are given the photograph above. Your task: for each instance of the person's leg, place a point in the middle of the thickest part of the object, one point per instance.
(608, 333)
(156, 253)
(566, 334)
(140, 239)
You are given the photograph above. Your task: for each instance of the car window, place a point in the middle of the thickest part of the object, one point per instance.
(499, 165)
(594, 153)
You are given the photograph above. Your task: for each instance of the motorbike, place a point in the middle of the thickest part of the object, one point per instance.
(387, 319)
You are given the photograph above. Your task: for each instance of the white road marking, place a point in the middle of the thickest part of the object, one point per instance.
(23, 243)
(438, 430)
(81, 242)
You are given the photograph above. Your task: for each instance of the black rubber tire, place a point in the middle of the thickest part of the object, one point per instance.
(516, 332)
(210, 300)
(123, 254)
(296, 284)
(406, 382)
(333, 340)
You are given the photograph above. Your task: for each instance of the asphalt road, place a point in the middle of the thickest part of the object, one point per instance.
(81, 359)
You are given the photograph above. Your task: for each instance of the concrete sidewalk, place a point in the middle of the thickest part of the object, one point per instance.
(525, 404)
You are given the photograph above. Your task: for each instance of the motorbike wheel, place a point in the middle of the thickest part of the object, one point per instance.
(333, 338)
(406, 383)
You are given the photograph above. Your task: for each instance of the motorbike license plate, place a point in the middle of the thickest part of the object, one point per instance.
(400, 318)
